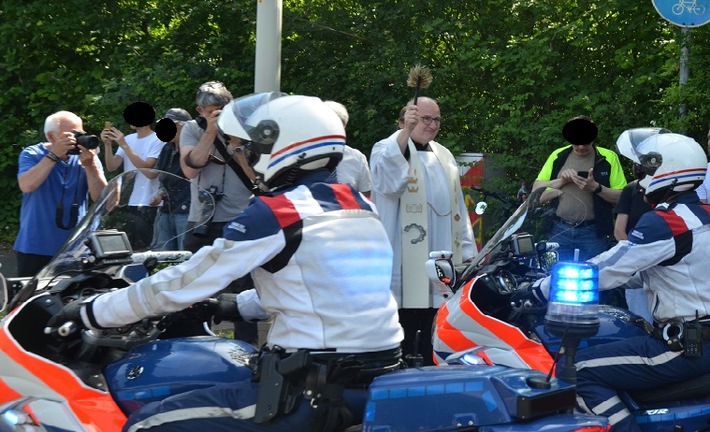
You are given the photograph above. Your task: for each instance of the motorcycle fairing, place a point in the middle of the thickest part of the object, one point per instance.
(460, 325)
(24, 373)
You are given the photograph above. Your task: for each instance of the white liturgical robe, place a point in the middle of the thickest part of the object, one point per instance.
(445, 206)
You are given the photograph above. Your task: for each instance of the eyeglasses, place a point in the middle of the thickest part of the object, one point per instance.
(428, 119)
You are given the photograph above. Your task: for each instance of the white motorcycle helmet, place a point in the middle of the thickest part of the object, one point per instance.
(284, 135)
(671, 162)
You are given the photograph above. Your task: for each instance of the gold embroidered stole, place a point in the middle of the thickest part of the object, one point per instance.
(415, 228)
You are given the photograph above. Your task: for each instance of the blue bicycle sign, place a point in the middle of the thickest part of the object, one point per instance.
(684, 13)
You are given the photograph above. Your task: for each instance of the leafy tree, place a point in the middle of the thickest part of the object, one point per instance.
(507, 74)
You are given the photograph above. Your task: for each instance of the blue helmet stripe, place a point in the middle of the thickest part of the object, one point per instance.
(680, 177)
(303, 149)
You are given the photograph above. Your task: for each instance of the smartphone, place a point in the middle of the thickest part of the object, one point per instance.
(108, 125)
(583, 173)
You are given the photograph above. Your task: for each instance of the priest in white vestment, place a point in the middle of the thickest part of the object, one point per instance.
(421, 205)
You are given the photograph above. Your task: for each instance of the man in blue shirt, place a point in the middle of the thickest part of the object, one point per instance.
(56, 179)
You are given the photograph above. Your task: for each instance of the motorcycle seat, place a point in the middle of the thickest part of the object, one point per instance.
(689, 389)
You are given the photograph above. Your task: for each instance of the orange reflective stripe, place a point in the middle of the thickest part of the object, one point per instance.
(452, 336)
(452, 327)
(94, 408)
(6, 393)
(485, 357)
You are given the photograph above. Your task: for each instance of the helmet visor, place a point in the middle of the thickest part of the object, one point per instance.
(629, 141)
(240, 110)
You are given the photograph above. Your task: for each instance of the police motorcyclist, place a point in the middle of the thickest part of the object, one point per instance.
(321, 262)
(670, 249)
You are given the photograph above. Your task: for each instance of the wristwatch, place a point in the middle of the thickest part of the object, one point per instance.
(598, 189)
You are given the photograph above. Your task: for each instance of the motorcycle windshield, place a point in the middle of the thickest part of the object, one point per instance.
(534, 216)
(148, 227)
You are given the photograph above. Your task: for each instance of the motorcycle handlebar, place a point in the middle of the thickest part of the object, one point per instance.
(162, 256)
(67, 329)
(64, 330)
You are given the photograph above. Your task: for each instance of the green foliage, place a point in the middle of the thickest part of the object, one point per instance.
(507, 74)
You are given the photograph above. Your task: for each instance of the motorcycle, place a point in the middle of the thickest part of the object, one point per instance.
(483, 323)
(91, 380)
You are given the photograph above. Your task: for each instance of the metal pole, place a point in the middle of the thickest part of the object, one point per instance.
(684, 55)
(267, 66)
(267, 72)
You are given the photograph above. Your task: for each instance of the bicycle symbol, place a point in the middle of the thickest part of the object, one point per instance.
(689, 5)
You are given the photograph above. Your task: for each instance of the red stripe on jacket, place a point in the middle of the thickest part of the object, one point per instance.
(283, 209)
(675, 222)
(345, 197)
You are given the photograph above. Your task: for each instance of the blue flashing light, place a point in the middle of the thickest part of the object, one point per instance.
(574, 297)
(574, 283)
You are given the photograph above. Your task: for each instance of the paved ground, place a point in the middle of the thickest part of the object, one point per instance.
(8, 262)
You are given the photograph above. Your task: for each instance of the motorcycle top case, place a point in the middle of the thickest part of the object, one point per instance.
(163, 368)
(435, 397)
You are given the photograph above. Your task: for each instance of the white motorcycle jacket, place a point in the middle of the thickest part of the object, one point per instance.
(670, 247)
(319, 257)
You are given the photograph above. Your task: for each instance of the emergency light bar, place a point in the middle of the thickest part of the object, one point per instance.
(573, 307)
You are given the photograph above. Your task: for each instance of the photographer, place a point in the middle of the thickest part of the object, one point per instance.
(220, 168)
(56, 178)
(137, 150)
(202, 157)
(171, 224)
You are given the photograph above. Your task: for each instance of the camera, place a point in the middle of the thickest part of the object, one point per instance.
(201, 122)
(213, 192)
(202, 231)
(86, 140)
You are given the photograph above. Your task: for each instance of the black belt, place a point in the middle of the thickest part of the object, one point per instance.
(372, 364)
(582, 224)
(321, 378)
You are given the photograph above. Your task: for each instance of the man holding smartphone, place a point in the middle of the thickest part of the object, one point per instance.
(586, 180)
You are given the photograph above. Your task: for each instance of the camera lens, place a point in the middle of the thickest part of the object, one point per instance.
(203, 196)
(85, 140)
(201, 231)
(88, 141)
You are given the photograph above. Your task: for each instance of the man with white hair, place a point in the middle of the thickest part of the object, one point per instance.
(56, 179)
(703, 190)
(353, 169)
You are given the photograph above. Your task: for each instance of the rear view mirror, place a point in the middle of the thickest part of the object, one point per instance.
(441, 271)
(3, 292)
